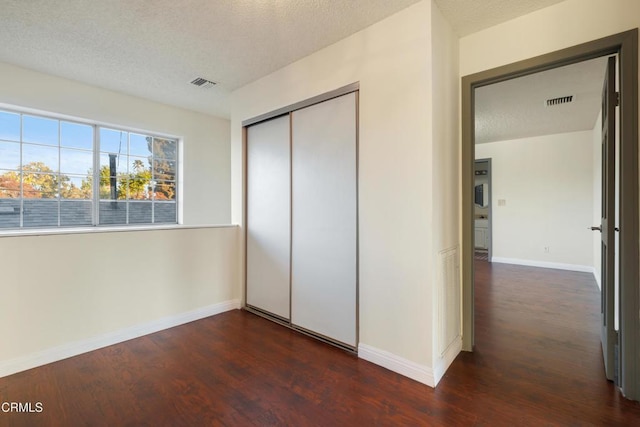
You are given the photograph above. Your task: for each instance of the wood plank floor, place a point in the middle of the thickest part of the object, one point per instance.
(537, 362)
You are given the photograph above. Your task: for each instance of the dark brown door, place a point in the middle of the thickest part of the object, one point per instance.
(607, 225)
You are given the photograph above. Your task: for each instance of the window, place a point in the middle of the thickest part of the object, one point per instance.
(48, 168)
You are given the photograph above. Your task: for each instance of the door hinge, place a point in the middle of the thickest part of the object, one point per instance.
(617, 99)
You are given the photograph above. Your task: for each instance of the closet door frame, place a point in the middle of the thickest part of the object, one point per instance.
(287, 110)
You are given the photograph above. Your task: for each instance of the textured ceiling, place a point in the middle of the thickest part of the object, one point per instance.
(154, 48)
(517, 108)
(469, 16)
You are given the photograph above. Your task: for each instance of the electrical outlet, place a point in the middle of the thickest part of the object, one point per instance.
(546, 249)
(502, 202)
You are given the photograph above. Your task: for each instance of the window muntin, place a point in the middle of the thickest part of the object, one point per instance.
(47, 174)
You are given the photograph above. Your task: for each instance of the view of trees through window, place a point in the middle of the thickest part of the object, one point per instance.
(48, 168)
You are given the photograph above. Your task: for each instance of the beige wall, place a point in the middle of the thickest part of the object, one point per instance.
(547, 184)
(61, 289)
(392, 62)
(445, 203)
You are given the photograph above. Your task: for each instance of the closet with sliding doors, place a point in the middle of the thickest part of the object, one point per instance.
(302, 216)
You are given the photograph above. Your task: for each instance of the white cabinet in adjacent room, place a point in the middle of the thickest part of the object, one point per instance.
(482, 234)
(480, 238)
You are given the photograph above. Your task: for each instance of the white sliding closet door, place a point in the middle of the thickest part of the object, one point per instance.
(269, 216)
(324, 219)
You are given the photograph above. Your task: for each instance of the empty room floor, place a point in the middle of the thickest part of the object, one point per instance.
(537, 362)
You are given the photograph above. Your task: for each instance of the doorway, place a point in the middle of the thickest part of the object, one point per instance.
(625, 45)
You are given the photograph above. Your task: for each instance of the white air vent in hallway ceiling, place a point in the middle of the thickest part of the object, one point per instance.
(203, 83)
(560, 100)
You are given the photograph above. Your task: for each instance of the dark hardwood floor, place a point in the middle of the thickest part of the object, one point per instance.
(537, 362)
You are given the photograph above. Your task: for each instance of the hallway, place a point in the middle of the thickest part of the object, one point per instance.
(537, 357)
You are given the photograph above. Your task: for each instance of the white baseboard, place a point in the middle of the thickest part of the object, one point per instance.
(447, 359)
(543, 264)
(65, 351)
(596, 276)
(400, 365)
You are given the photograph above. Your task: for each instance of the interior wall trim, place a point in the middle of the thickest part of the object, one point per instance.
(421, 373)
(353, 87)
(443, 363)
(76, 348)
(543, 264)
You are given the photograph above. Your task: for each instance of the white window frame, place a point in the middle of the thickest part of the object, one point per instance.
(95, 214)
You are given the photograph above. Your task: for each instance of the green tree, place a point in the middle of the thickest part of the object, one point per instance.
(9, 185)
(73, 192)
(39, 181)
(164, 167)
(105, 184)
(46, 183)
(139, 182)
(134, 185)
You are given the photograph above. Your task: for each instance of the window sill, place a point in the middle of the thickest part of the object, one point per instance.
(105, 229)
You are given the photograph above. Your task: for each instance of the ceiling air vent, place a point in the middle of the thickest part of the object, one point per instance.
(560, 100)
(203, 83)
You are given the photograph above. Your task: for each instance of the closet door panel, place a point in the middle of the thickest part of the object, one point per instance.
(324, 219)
(268, 216)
